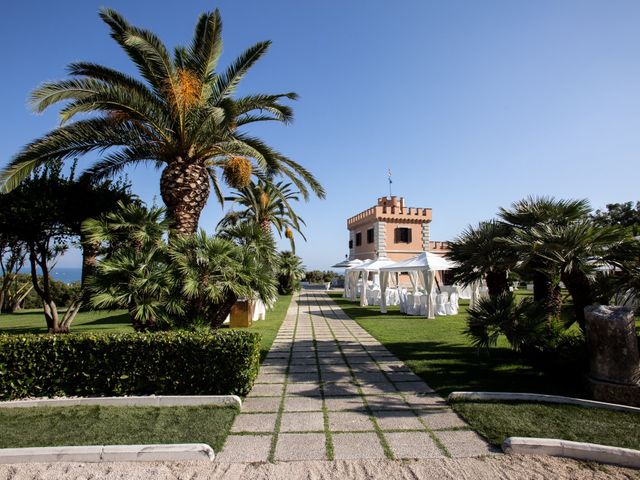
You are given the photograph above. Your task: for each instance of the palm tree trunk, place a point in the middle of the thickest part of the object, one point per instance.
(184, 187)
(497, 282)
(547, 291)
(222, 310)
(90, 252)
(581, 292)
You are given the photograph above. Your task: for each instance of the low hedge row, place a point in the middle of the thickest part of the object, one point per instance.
(178, 363)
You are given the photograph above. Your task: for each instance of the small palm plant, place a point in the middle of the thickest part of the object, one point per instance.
(290, 272)
(522, 323)
(181, 117)
(134, 273)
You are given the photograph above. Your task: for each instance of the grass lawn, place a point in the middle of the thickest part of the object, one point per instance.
(32, 321)
(441, 354)
(268, 328)
(97, 425)
(497, 421)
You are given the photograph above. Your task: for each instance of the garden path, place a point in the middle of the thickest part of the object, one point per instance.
(328, 390)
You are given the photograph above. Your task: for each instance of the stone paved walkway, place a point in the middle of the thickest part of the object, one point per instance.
(328, 390)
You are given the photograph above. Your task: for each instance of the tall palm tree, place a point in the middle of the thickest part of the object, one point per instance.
(181, 118)
(480, 255)
(535, 213)
(267, 204)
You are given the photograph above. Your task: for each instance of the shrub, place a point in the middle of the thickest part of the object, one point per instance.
(167, 363)
(522, 323)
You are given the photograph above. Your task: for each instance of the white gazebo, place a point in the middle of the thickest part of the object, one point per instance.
(346, 264)
(363, 270)
(421, 269)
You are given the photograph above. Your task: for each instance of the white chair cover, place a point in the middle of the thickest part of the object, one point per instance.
(423, 304)
(452, 304)
(441, 300)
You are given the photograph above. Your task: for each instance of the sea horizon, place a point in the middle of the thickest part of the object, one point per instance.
(62, 274)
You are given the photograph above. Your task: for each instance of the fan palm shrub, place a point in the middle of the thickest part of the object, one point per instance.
(480, 255)
(134, 273)
(181, 116)
(212, 273)
(290, 272)
(523, 323)
(540, 213)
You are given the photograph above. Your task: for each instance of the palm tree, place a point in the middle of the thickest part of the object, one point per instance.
(574, 250)
(134, 274)
(290, 271)
(480, 255)
(266, 204)
(535, 213)
(182, 118)
(212, 273)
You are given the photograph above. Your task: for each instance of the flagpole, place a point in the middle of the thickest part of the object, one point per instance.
(390, 182)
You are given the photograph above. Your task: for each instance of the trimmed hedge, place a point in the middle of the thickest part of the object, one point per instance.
(167, 363)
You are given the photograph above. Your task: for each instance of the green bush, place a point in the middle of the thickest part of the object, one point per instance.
(167, 363)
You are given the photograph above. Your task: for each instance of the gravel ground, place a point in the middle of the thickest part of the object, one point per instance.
(507, 467)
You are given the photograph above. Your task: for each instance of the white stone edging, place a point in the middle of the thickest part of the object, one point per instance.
(537, 397)
(133, 401)
(109, 453)
(577, 450)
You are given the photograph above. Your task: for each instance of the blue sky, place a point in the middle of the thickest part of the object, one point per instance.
(472, 105)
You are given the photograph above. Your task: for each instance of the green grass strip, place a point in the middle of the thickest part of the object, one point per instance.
(108, 425)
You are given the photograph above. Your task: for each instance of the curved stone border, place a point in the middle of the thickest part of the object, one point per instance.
(577, 450)
(135, 401)
(109, 453)
(537, 397)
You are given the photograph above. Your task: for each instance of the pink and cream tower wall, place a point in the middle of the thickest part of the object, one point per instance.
(390, 229)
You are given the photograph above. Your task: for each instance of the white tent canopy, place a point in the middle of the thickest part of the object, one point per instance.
(347, 263)
(423, 266)
(363, 270)
(351, 276)
(422, 261)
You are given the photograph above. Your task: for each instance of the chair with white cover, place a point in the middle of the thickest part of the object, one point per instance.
(412, 299)
(441, 300)
(452, 305)
(374, 296)
(423, 305)
(402, 301)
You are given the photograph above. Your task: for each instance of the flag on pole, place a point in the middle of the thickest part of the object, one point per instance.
(389, 175)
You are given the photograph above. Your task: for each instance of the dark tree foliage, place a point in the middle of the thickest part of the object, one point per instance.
(625, 215)
(45, 213)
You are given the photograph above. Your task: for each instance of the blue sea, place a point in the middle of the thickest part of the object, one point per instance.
(63, 274)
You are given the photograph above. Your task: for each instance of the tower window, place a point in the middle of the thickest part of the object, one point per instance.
(403, 235)
(358, 239)
(370, 235)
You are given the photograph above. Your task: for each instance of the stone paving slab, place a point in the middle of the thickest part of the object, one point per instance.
(267, 390)
(413, 445)
(398, 420)
(245, 448)
(255, 422)
(353, 446)
(355, 421)
(464, 443)
(301, 446)
(302, 422)
(261, 404)
(442, 419)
